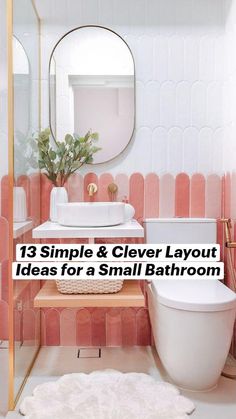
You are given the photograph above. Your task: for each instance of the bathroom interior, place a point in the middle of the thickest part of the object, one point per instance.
(157, 79)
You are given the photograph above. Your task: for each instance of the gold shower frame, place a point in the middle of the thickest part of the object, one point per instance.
(12, 399)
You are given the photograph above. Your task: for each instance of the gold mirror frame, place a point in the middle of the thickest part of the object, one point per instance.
(28, 61)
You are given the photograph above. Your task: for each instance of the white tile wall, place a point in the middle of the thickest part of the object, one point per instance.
(229, 88)
(3, 171)
(25, 28)
(180, 55)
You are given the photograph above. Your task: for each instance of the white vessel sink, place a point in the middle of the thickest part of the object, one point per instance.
(94, 214)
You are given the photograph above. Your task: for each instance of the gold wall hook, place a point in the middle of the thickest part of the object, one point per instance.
(112, 188)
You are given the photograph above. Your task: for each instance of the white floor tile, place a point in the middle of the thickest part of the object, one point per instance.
(217, 404)
(3, 381)
(53, 362)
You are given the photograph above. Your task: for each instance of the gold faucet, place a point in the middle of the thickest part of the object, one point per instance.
(92, 189)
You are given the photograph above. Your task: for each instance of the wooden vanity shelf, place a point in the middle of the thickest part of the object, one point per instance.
(129, 296)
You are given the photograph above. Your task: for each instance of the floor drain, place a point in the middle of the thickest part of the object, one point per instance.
(89, 353)
(4, 344)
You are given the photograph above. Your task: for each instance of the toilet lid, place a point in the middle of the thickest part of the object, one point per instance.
(194, 295)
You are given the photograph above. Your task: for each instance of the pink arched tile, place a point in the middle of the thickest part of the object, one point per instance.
(83, 327)
(182, 202)
(143, 327)
(71, 241)
(25, 297)
(221, 204)
(3, 320)
(167, 196)
(151, 189)
(52, 327)
(21, 292)
(28, 325)
(197, 196)
(34, 288)
(222, 196)
(18, 331)
(104, 180)
(213, 196)
(75, 188)
(24, 182)
(136, 195)
(37, 326)
(4, 282)
(26, 238)
(43, 327)
(113, 327)
(4, 237)
(228, 276)
(220, 238)
(90, 178)
(46, 187)
(99, 327)
(227, 195)
(233, 238)
(35, 198)
(129, 329)
(143, 286)
(5, 197)
(122, 181)
(68, 327)
(50, 241)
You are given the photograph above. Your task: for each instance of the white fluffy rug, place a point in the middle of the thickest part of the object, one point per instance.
(107, 394)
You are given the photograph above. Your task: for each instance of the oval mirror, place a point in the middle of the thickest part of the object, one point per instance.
(21, 74)
(22, 108)
(92, 86)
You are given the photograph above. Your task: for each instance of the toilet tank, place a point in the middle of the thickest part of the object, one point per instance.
(180, 230)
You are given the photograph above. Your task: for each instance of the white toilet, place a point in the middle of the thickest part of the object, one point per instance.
(192, 321)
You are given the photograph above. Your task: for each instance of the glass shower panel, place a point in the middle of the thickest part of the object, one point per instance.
(26, 191)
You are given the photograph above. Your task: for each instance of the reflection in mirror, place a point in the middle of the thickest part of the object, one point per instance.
(21, 72)
(92, 86)
(53, 95)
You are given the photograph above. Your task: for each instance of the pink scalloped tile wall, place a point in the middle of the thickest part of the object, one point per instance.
(4, 237)
(229, 202)
(96, 327)
(151, 196)
(27, 319)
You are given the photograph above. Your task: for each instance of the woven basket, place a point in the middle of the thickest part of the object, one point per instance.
(89, 286)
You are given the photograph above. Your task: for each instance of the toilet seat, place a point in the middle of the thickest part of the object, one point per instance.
(194, 295)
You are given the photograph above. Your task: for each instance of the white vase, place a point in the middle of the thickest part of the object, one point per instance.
(58, 196)
(20, 205)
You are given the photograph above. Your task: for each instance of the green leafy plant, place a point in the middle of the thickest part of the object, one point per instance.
(25, 154)
(62, 159)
